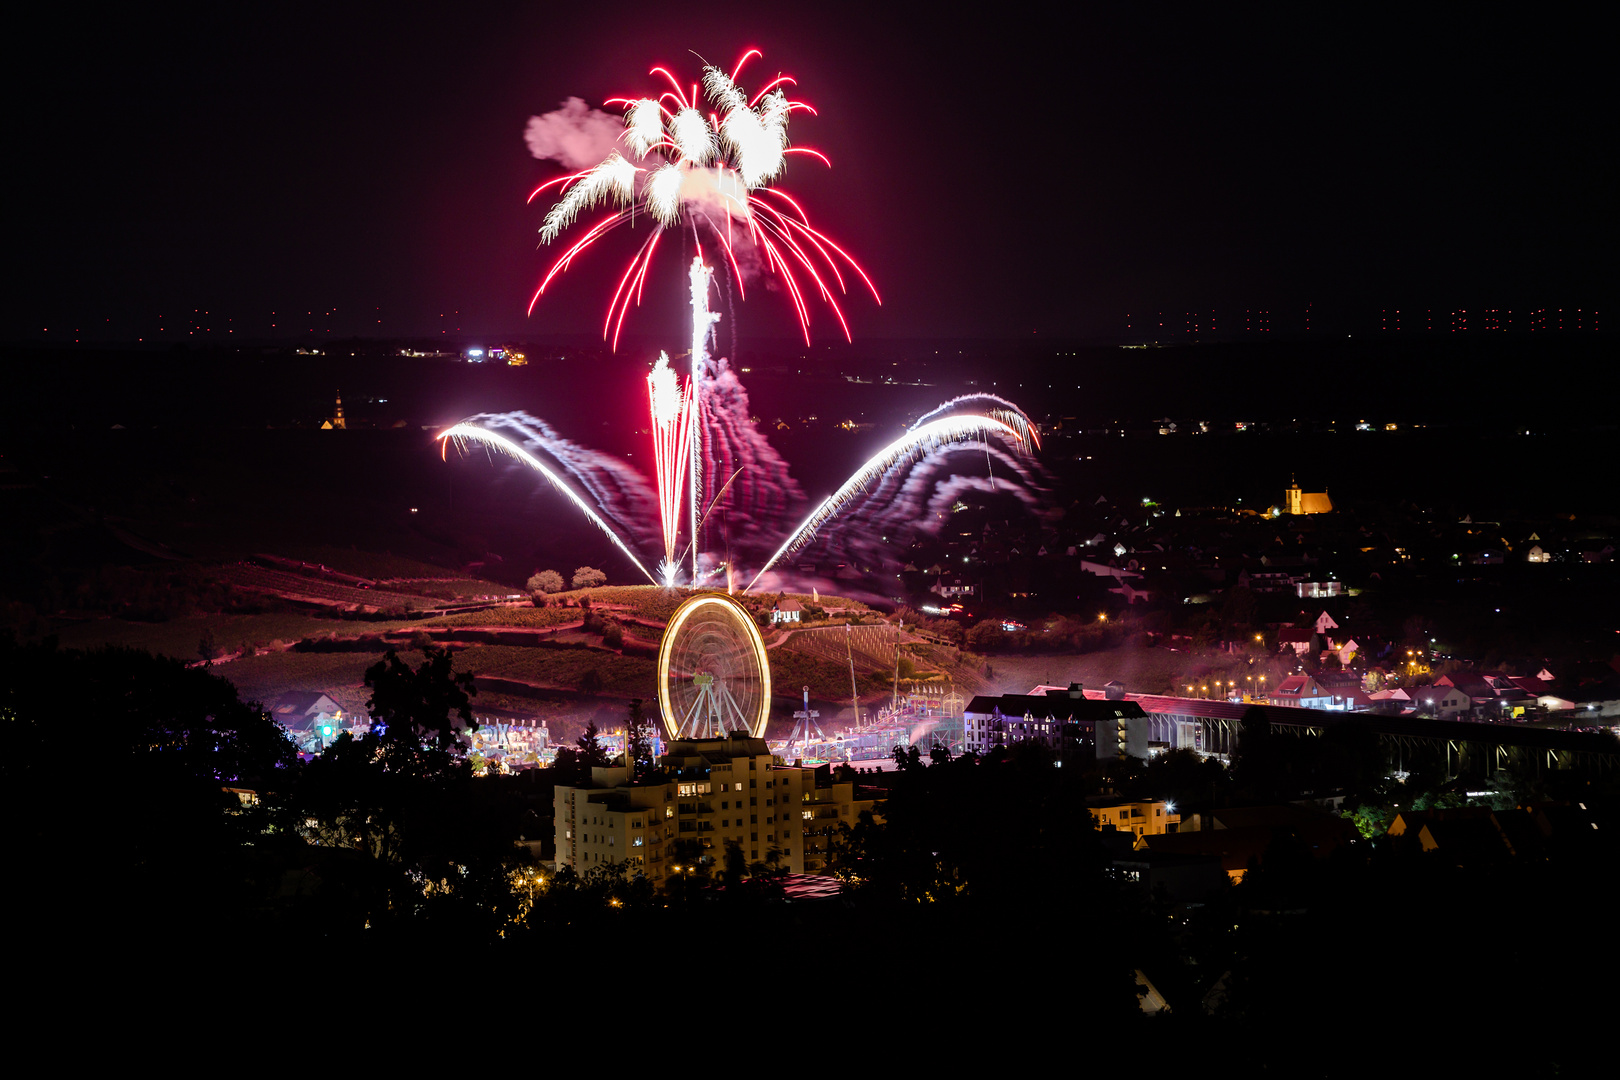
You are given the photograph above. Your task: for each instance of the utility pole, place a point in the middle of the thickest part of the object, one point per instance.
(854, 694)
(898, 626)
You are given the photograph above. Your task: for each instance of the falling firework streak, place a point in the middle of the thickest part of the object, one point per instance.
(907, 448)
(460, 433)
(718, 496)
(713, 168)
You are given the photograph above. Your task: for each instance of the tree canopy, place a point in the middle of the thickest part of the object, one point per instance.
(588, 577)
(545, 581)
(424, 704)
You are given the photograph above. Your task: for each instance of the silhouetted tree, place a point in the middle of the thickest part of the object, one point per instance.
(154, 812)
(592, 754)
(638, 737)
(423, 704)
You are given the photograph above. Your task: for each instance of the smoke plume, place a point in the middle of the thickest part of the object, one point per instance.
(576, 135)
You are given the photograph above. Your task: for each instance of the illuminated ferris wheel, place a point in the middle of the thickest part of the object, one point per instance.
(713, 677)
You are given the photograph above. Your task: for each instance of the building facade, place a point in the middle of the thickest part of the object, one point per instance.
(712, 792)
(1071, 724)
(1139, 817)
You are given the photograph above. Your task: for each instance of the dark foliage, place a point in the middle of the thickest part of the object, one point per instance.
(422, 705)
(118, 768)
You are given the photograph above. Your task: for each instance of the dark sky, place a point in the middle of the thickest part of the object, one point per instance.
(999, 173)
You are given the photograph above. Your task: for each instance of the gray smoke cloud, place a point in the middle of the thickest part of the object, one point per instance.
(760, 502)
(576, 135)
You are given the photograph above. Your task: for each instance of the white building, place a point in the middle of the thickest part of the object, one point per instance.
(712, 792)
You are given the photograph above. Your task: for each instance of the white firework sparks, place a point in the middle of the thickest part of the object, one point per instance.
(991, 405)
(710, 167)
(906, 448)
(671, 431)
(461, 433)
(613, 179)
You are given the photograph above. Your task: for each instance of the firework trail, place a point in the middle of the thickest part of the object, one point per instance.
(722, 439)
(623, 501)
(918, 498)
(621, 494)
(987, 405)
(904, 450)
(947, 492)
(673, 163)
(672, 414)
(906, 498)
(703, 321)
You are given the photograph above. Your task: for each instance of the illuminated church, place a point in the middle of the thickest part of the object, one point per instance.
(1296, 501)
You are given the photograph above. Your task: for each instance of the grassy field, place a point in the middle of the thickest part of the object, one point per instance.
(827, 681)
(561, 667)
(456, 589)
(342, 674)
(180, 637)
(523, 616)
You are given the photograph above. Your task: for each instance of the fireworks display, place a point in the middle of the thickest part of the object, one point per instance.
(674, 163)
(907, 484)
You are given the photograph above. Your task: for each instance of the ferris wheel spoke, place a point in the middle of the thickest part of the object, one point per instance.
(688, 723)
(736, 710)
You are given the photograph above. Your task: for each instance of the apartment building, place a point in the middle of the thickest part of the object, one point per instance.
(713, 792)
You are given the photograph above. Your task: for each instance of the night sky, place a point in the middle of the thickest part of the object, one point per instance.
(1000, 174)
